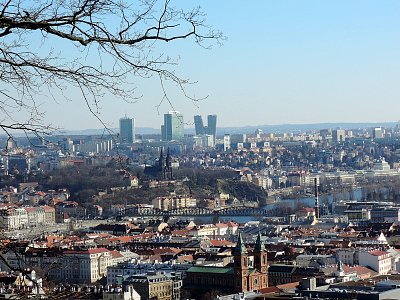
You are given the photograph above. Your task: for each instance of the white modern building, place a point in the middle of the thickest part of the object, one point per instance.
(227, 142)
(379, 261)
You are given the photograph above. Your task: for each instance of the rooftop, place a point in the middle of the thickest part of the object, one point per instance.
(204, 269)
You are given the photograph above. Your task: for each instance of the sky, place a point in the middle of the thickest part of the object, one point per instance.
(298, 61)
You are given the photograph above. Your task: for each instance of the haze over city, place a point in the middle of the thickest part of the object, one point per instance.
(282, 62)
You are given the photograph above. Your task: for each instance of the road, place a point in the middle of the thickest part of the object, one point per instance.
(52, 228)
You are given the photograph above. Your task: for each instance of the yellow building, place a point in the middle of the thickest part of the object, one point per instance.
(153, 286)
(173, 202)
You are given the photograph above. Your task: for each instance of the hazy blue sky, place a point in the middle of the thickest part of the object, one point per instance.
(283, 62)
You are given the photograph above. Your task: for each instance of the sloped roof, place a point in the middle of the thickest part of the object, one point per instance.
(116, 254)
(378, 252)
(90, 251)
(213, 270)
(221, 225)
(221, 243)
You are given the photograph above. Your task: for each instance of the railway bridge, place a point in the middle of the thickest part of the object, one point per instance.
(234, 211)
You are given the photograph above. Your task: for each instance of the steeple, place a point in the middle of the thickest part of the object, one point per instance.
(259, 247)
(240, 246)
(161, 159)
(241, 266)
(168, 159)
(339, 272)
(260, 258)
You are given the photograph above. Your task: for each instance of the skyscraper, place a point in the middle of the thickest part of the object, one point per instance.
(378, 133)
(198, 125)
(338, 135)
(211, 127)
(173, 126)
(127, 130)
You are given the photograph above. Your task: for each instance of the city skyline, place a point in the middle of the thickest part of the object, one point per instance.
(295, 63)
(221, 130)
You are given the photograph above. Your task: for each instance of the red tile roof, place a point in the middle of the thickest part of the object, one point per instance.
(121, 239)
(90, 251)
(185, 258)
(360, 270)
(180, 232)
(162, 251)
(221, 225)
(378, 253)
(232, 224)
(220, 243)
(30, 209)
(48, 208)
(116, 254)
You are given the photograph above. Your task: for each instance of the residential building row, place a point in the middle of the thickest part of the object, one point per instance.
(25, 217)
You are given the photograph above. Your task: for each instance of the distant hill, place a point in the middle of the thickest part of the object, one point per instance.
(232, 130)
(247, 129)
(139, 130)
(301, 127)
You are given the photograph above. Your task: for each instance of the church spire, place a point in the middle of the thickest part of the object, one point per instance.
(168, 159)
(260, 247)
(240, 246)
(161, 159)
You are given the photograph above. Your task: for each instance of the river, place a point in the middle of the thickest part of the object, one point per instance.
(292, 203)
(309, 201)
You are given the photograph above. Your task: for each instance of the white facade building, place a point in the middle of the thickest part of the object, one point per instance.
(85, 266)
(173, 202)
(119, 293)
(36, 216)
(227, 142)
(13, 218)
(379, 261)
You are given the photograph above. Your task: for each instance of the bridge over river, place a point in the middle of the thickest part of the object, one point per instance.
(234, 211)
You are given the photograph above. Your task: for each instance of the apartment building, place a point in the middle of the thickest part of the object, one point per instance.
(379, 261)
(173, 202)
(85, 266)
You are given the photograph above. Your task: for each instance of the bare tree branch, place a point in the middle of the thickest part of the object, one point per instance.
(123, 36)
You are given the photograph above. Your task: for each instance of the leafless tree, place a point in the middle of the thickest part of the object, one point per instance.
(110, 43)
(99, 47)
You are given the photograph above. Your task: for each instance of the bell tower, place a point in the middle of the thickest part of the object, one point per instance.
(161, 164)
(241, 266)
(260, 261)
(260, 255)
